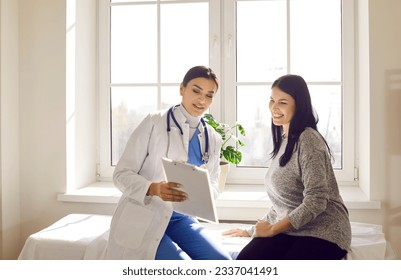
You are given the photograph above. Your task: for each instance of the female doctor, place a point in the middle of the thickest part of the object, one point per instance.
(144, 226)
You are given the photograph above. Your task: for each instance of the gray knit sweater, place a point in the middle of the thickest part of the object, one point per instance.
(306, 191)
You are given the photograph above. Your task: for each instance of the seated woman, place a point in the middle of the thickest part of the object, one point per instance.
(308, 219)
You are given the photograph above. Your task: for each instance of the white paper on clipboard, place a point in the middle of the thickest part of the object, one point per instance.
(196, 183)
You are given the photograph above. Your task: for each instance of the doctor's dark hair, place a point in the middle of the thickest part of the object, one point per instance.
(200, 72)
(304, 116)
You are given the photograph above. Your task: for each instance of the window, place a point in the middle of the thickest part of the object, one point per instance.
(147, 46)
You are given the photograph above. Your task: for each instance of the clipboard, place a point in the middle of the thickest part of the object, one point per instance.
(195, 182)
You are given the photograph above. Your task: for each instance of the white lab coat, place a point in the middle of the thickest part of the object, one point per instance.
(140, 221)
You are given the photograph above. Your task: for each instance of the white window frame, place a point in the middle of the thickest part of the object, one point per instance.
(222, 15)
(104, 168)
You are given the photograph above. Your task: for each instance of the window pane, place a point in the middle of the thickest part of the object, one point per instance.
(316, 39)
(170, 96)
(133, 48)
(327, 102)
(253, 113)
(129, 105)
(261, 40)
(184, 39)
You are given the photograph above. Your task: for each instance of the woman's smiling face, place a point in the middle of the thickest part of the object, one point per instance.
(282, 108)
(197, 95)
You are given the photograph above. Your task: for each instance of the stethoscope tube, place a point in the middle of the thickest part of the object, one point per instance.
(170, 115)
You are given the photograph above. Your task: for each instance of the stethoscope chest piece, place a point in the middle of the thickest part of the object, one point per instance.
(205, 157)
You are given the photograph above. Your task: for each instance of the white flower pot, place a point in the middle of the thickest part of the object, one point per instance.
(224, 169)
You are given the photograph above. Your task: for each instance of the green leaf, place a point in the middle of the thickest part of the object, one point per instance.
(211, 121)
(241, 129)
(231, 155)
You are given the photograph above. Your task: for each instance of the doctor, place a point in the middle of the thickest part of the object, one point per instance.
(144, 226)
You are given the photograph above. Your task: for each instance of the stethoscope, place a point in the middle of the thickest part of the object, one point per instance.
(170, 115)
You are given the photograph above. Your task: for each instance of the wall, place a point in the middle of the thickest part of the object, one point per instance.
(379, 114)
(9, 131)
(385, 120)
(47, 83)
(42, 117)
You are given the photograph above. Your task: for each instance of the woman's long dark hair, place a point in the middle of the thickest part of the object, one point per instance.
(304, 116)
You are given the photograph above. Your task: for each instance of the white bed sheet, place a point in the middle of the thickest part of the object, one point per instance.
(84, 236)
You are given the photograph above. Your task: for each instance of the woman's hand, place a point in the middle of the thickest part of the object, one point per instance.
(237, 232)
(167, 191)
(263, 229)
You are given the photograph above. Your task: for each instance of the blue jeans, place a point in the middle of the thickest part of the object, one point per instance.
(186, 239)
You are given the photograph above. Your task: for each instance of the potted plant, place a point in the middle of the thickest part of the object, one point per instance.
(230, 148)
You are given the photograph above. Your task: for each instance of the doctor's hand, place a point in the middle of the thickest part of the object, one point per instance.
(167, 191)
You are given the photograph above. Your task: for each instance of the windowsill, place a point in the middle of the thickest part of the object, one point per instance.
(237, 202)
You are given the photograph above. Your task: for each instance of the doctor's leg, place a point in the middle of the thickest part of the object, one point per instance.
(168, 250)
(191, 237)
